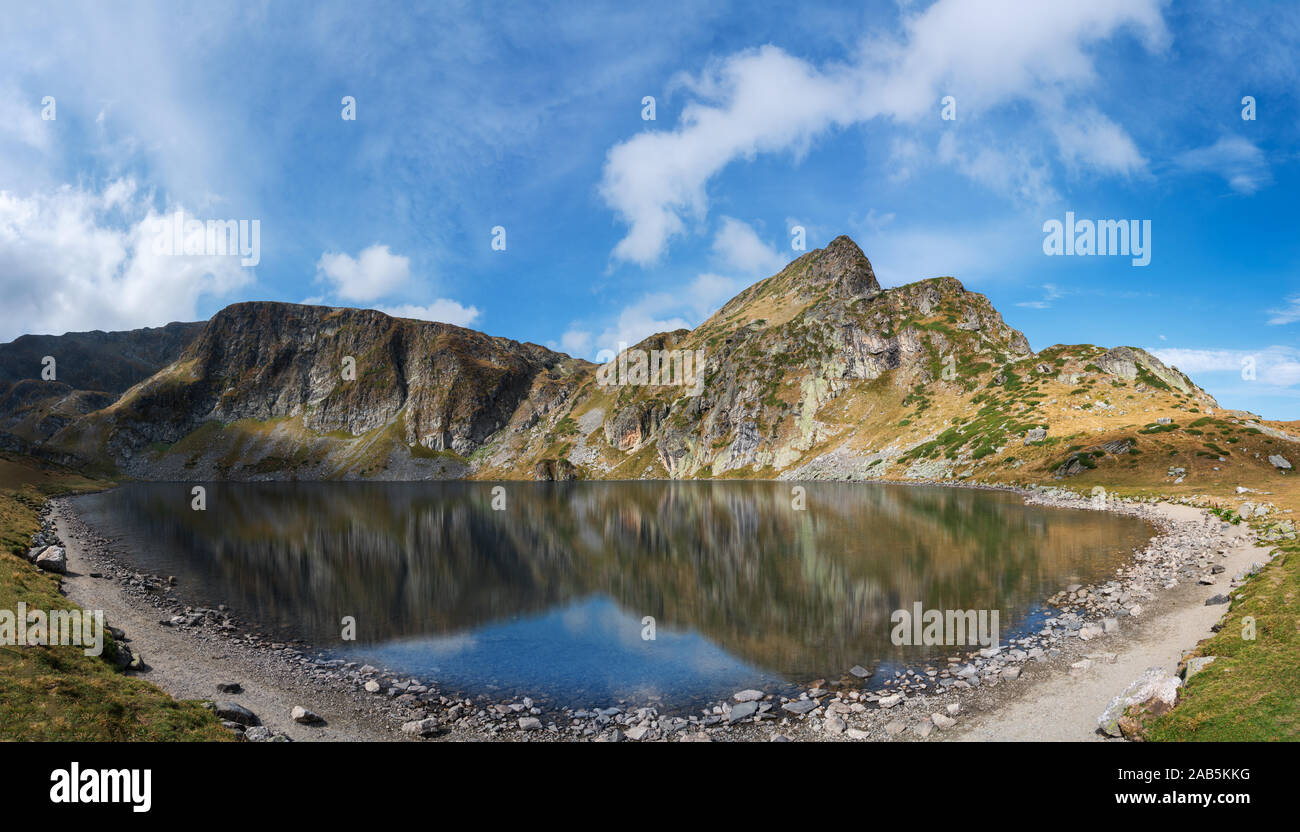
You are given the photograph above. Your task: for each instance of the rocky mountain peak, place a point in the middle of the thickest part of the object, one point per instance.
(842, 266)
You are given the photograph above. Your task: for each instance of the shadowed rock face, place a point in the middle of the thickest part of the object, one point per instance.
(107, 362)
(91, 370)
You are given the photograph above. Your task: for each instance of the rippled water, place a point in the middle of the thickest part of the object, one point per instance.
(548, 597)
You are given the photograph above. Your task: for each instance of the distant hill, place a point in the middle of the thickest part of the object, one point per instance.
(91, 370)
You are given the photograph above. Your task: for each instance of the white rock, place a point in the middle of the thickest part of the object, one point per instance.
(53, 559)
(1153, 686)
(421, 727)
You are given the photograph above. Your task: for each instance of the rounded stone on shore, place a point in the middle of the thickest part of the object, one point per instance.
(234, 712)
(422, 727)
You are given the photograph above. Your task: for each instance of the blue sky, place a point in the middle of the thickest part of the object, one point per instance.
(529, 117)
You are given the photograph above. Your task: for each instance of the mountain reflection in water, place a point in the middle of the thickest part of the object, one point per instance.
(548, 596)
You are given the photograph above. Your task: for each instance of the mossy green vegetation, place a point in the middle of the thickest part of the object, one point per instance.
(59, 693)
(1248, 693)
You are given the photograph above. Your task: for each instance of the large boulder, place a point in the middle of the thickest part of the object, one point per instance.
(422, 727)
(234, 712)
(1154, 692)
(53, 559)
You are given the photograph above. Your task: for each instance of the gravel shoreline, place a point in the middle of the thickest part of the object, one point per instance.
(370, 703)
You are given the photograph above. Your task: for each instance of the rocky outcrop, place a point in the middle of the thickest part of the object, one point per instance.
(1131, 363)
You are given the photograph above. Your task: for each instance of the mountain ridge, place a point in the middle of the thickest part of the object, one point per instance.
(815, 371)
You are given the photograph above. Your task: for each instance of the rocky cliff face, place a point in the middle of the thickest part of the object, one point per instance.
(816, 371)
(280, 390)
(353, 371)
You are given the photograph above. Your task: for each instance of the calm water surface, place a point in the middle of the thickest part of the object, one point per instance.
(547, 597)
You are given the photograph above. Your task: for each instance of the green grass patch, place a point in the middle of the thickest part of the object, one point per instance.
(1248, 694)
(59, 693)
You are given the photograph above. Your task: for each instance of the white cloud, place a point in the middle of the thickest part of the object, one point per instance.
(738, 247)
(1275, 366)
(20, 120)
(761, 101)
(974, 254)
(765, 101)
(1090, 139)
(1239, 161)
(575, 342)
(373, 274)
(1289, 314)
(1011, 172)
(441, 310)
(378, 273)
(1050, 293)
(77, 258)
(683, 308)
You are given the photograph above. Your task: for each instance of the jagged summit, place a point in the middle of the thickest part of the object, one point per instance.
(841, 265)
(839, 273)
